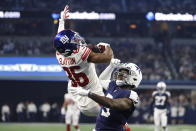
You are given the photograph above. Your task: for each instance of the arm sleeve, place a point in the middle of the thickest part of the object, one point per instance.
(105, 83)
(61, 26)
(85, 53)
(105, 77)
(106, 74)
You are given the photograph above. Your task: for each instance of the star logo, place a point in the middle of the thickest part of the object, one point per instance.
(137, 68)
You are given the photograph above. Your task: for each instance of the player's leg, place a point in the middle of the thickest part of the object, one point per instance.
(86, 105)
(156, 120)
(92, 108)
(68, 120)
(75, 118)
(164, 121)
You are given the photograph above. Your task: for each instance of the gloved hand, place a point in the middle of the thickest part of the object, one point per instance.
(79, 91)
(64, 13)
(103, 44)
(114, 62)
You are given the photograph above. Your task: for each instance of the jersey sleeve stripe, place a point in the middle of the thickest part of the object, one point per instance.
(57, 53)
(85, 56)
(84, 51)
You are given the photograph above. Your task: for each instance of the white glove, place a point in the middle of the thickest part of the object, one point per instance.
(65, 13)
(103, 44)
(134, 97)
(79, 91)
(115, 62)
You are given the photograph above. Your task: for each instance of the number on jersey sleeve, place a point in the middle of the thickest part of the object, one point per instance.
(106, 111)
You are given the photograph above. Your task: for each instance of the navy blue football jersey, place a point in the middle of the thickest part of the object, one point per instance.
(112, 119)
(160, 100)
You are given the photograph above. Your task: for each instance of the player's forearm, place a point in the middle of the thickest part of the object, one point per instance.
(109, 53)
(61, 26)
(102, 100)
(106, 74)
(119, 104)
(99, 58)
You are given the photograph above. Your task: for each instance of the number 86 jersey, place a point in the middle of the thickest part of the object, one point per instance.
(82, 74)
(79, 71)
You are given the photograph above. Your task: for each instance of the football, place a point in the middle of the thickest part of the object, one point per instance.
(96, 49)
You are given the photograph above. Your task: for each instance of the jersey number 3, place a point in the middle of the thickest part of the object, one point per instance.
(106, 111)
(76, 78)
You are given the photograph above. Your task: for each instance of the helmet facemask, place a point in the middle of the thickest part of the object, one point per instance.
(128, 75)
(123, 77)
(161, 87)
(78, 40)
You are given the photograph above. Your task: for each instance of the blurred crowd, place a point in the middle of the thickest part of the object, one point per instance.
(184, 60)
(26, 47)
(182, 107)
(31, 112)
(147, 54)
(100, 6)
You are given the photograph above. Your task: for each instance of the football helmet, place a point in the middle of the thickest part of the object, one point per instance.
(67, 41)
(161, 87)
(131, 77)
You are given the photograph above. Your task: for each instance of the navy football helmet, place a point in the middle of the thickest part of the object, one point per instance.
(67, 41)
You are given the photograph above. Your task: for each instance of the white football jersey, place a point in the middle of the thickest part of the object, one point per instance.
(80, 72)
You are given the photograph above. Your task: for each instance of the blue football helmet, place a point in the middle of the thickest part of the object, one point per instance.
(67, 41)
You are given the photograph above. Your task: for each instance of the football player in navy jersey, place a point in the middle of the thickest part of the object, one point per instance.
(160, 104)
(119, 101)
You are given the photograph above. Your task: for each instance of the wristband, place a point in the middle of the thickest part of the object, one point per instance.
(90, 94)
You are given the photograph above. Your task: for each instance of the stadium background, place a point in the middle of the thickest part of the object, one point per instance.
(164, 49)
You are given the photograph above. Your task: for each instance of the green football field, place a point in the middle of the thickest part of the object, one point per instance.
(83, 127)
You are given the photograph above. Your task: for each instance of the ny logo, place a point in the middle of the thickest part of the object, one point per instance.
(64, 39)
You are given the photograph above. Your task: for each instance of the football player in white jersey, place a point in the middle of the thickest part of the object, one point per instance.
(161, 99)
(72, 113)
(78, 60)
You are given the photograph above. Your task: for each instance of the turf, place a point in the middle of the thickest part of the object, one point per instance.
(83, 127)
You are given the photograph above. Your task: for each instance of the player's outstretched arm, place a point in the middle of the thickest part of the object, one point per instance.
(101, 57)
(118, 104)
(63, 18)
(106, 74)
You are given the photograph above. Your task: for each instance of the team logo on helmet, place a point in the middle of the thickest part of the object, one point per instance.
(68, 41)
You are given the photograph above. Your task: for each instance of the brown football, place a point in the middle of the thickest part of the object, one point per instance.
(94, 48)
